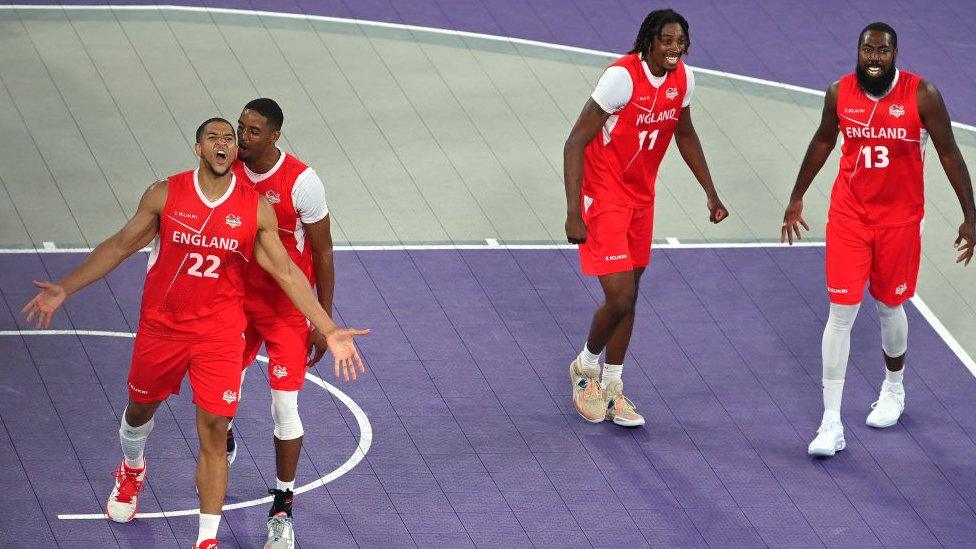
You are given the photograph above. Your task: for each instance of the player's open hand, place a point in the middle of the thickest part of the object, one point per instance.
(317, 346)
(575, 229)
(965, 243)
(792, 221)
(716, 210)
(347, 359)
(45, 303)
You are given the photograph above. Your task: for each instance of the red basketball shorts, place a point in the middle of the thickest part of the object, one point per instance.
(286, 338)
(888, 258)
(159, 364)
(618, 239)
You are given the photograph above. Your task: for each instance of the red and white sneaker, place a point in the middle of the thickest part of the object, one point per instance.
(124, 500)
(207, 544)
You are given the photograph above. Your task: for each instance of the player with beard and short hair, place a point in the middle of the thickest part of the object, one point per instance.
(885, 115)
(611, 160)
(205, 228)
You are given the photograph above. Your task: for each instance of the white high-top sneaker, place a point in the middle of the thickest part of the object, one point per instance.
(830, 439)
(889, 406)
(124, 500)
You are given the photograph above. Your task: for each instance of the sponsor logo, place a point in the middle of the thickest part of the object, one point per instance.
(644, 98)
(272, 197)
(233, 221)
(849, 110)
(901, 289)
(615, 257)
(655, 117)
(138, 390)
(178, 213)
(837, 290)
(229, 396)
(205, 241)
(279, 371)
(671, 93)
(875, 133)
(896, 110)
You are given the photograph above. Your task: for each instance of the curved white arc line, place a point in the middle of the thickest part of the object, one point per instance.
(431, 30)
(365, 434)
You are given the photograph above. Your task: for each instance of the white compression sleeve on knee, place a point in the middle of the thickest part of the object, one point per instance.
(133, 441)
(835, 349)
(894, 329)
(284, 412)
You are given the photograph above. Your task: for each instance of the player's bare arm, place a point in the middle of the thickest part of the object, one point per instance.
(590, 120)
(319, 235)
(271, 255)
(824, 140)
(135, 235)
(689, 145)
(935, 118)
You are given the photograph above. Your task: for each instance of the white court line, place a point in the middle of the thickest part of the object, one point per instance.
(431, 30)
(365, 434)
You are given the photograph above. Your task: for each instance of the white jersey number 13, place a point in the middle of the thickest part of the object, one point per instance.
(875, 157)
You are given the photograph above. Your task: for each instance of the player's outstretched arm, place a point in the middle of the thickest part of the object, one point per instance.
(320, 238)
(271, 255)
(824, 140)
(691, 151)
(590, 120)
(136, 234)
(935, 118)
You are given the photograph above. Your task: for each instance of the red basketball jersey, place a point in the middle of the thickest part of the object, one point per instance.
(621, 162)
(263, 292)
(195, 281)
(880, 180)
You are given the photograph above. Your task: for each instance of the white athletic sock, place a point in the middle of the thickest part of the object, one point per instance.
(208, 527)
(133, 441)
(589, 362)
(895, 377)
(830, 416)
(284, 486)
(611, 372)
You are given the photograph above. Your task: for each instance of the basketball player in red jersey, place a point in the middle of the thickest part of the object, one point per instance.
(885, 115)
(298, 197)
(611, 161)
(205, 229)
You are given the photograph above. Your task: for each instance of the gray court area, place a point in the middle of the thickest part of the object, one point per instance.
(421, 137)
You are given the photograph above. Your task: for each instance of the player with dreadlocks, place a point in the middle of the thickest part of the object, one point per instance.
(611, 159)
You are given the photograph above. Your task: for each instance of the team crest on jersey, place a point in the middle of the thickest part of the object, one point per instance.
(229, 396)
(901, 289)
(279, 371)
(233, 221)
(896, 110)
(272, 197)
(671, 93)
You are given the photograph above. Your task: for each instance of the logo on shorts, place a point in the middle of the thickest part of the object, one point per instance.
(615, 257)
(901, 288)
(671, 93)
(272, 197)
(896, 110)
(279, 371)
(233, 221)
(229, 396)
(138, 390)
(837, 290)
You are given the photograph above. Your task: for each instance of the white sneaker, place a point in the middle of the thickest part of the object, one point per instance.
(281, 532)
(124, 500)
(889, 406)
(830, 439)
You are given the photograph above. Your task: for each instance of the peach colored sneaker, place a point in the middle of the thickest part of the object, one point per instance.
(620, 409)
(588, 397)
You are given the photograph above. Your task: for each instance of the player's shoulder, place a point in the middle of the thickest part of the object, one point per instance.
(294, 162)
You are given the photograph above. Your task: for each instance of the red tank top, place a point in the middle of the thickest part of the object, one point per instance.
(195, 280)
(880, 180)
(263, 292)
(621, 162)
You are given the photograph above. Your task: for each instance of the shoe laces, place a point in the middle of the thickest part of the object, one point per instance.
(591, 390)
(129, 484)
(885, 397)
(277, 525)
(620, 404)
(828, 425)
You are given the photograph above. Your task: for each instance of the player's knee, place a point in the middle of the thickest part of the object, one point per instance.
(621, 305)
(894, 329)
(284, 412)
(842, 316)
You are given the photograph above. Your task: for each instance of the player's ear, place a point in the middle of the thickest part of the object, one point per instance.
(275, 135)
(198, 149)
